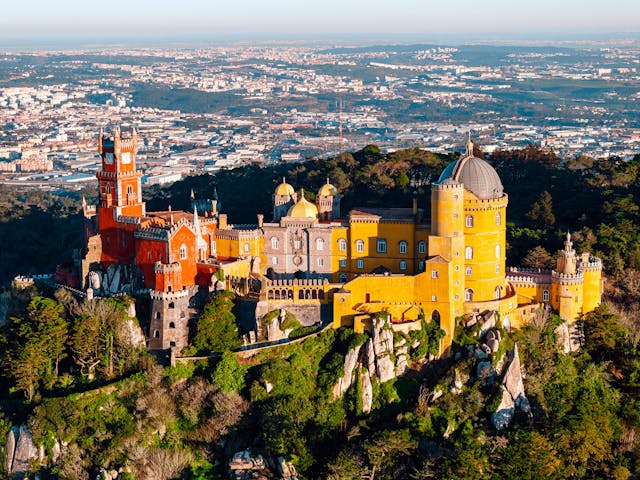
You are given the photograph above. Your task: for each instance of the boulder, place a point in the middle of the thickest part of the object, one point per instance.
(134, 333)
(383, 349)
(493, 345)
(24, 450)
(367, 392)
(563, 337)
(286, 469)
(486, 373)
(503, 415)
(345, 381)
(456, 382)
(369, 357)
(513, 383)
(402, 357)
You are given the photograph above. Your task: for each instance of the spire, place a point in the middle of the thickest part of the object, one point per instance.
(192, 195)
(200, 243)
(328, 181)
(568, 244)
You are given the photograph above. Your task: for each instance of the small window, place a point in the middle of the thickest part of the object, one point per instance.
(172, 344)
(274, 260)
(156, 334)
(213, 247)
(497, 268)
(457, 297)
(498, 292)
(172, 325)
(498, 218)
(247, 248)
(360, 246)
(343, 263)
(107, 189)
(321, 262)
(129, 190)
(403, 265)
(274, 243)
(360, 263)
(297, 244)
(342, 278)
(172, 305)
(468, 253)
(183, 252)
(157, 315)
(421, 265)
(468, 295)
(402, 247)
(320, 244)
(457, 267)
(545, 295)
(434, 298)
(498, 251)
(342, 245)
(381, 245)
(422, 247)
(434, 273)
(468, 221)
(469, 271)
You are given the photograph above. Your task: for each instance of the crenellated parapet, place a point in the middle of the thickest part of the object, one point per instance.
(308, 282)
(478, 204)
(239, 234)
(447, 185)
(568, 278)
(160, 267)
(169, 296)
(594, 264)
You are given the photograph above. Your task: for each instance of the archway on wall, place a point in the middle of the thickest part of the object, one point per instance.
(435, 317)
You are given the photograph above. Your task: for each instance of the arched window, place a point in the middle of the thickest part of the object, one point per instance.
(172, 305)
(342, 278)
(360, 246)
(468, 295)
(157, 315)
(403, 265)
(183, 251)
(360, 263)
(213, 247)
(498, 218)
(422, 246)
(498, 292)
(468, 221)
(545, 295)
(342, 245)
(129, 190)
(274, 243)
(469, 271)
(156, 334)
(172, 325)
(107, 189)
(402, 247)
(421, 265)
(320, 244)
(468, 253)
(247, 248)
(498, 251)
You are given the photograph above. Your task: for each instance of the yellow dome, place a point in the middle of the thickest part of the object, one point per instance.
(303, 209)
(284, 189)
(328, 190)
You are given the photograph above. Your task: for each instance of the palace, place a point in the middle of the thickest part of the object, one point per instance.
(319, 265)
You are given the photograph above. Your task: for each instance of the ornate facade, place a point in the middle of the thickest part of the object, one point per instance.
(308, 256)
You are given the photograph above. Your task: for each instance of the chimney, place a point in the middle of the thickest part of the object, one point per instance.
(260, 220)
(222, 221)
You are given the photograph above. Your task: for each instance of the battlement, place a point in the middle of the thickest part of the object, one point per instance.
(159, 267)
(152, 233)
(128, 219)
(116, 143)
(568, 278)
(156, 295)
(238, 234)
(594, 264)
(447, 185)
(310, 282)
(489, 203)
(114, 176)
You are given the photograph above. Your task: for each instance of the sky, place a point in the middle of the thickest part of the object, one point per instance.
(428, 20)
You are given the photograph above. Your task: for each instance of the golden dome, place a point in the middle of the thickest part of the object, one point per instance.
(328, 190)
(303, 209)
(284, 189)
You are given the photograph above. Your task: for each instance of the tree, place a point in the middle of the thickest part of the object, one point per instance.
(50, 327)
(216, 329)
(541, 213)
(229, 374)
(538, 257)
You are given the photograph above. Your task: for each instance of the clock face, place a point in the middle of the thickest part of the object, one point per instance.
(108, 158)
(125, 157)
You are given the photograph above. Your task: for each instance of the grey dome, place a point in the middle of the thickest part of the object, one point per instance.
(476, 175)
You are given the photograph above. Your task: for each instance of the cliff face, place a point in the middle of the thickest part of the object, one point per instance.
(20, 450)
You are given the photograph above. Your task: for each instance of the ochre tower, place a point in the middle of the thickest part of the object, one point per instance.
(120, 197)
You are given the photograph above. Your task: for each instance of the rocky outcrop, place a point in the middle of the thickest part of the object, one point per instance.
(134, 333)
(570, 337)
(402, 356)
(383, 348)
(367, 391)
(20, 450)
(286, 470)
(345, 381)
(275, 331)
(513, 395)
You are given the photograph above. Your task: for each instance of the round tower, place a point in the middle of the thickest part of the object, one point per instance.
(283, 198)
(328, 202)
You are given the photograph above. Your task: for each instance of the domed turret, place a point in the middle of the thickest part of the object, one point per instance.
(328, 190)
(328, 201)
(303, 208)
(284, 188)
(475, 174)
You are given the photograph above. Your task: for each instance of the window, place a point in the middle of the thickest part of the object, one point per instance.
(422, 247)
(172, 305)
(213, 247)
(107, 189)
(457, 297)
(421, 265)
(343, 263)
(129, 190)
(434, 273)
(156, 334)
(381, 245)
(172, 325)
(469, 271)
(468, 295)
(403, 265)
(247, 248)
(360, 263)
(402, 247)
(183, 251)
(468, 253)
(457, 267)
(497, 268)
(342, 245)
(342, 278)
(359, 246)
(321, 262)
(545, 295)
(498, 292)
(498, 251)
(434, 298)
(274, 260)
(297, 244)
(274, 243)
(468, 221)
(320, 244)
(498, 218)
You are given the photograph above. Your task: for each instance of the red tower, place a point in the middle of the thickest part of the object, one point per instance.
(120, 206)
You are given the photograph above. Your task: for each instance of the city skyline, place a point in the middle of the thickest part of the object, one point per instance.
(409, 19)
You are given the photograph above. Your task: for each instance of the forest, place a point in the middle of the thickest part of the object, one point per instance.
(77, 375)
